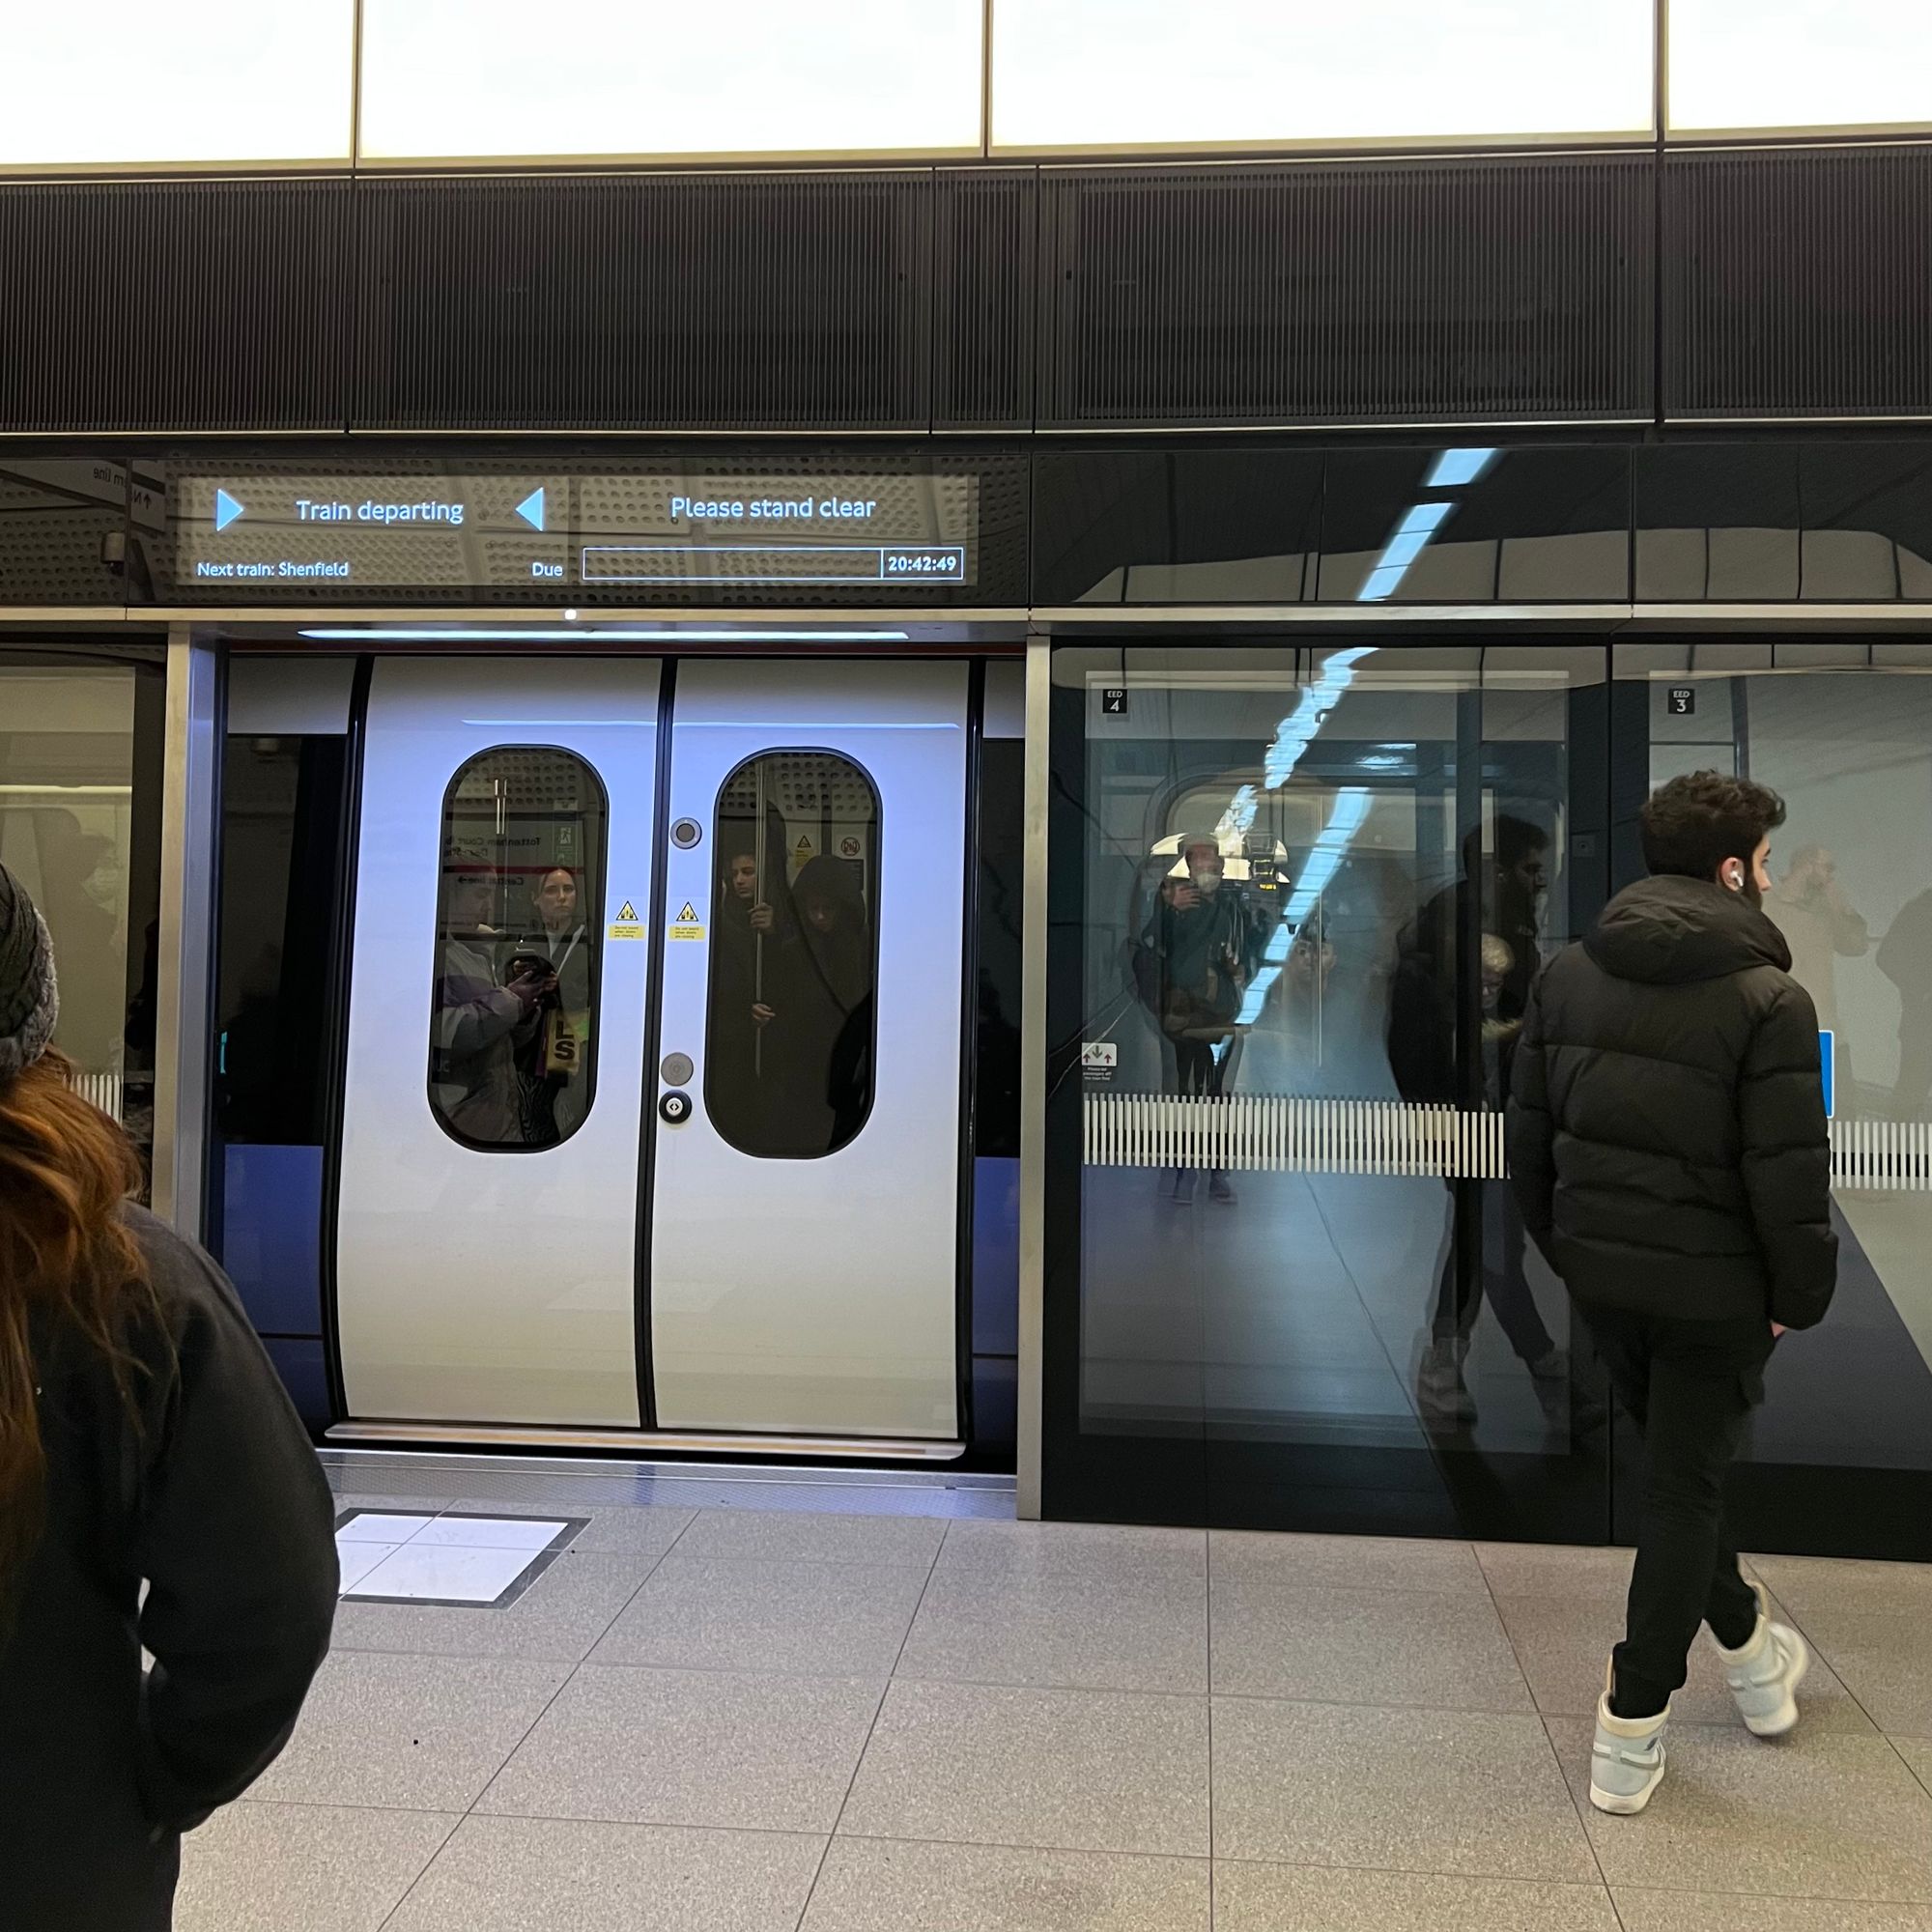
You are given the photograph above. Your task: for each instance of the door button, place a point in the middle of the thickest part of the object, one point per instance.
(674, 1108)
(686, 833)
(676, 1068)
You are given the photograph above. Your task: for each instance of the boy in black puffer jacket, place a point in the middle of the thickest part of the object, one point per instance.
(1668, 1144)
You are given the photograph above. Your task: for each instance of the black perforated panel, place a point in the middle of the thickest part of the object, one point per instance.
(985, 236)
(1797, 282)
(1513, 290)
(691, 302)
(172, 305)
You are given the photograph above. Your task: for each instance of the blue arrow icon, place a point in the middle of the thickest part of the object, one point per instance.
(226, 509)
(531, 509)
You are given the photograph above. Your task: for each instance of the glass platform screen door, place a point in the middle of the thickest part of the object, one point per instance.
(1299, 895)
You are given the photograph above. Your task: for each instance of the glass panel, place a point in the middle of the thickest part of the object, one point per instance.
(1773, 64)
(1715, 521)
(124, 83)
(442, 81)
(1177, 527)
(1867, 520)
(70, 831)
(513, 1056)
(1246, 74)
(1318, 885)
(794, 958)
(1468, 524)
(1843, 732)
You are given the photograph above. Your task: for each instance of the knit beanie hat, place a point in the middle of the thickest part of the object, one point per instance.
(29, 999)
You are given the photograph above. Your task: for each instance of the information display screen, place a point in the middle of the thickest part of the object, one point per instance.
(268, 532)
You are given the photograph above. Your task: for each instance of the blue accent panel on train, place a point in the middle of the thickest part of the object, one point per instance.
(271, 1235)
(303, 1374)
(995, 1401)
(996, 1256)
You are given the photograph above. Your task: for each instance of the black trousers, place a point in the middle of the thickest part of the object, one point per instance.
(1688, 1386)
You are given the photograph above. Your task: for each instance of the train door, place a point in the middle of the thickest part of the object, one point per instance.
(803, 1213)
(486, 1233)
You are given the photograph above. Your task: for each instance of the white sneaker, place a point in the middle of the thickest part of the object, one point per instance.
(1764, 1676)
(1626, 1761)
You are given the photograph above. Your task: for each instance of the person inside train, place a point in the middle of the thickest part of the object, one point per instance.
(551, 1057)
(827, 991)
(479, 1022)
(1501, 892)
(144, 1438)
(748, 963)
(1197, 955)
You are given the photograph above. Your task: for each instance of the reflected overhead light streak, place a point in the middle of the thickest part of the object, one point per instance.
(1325, 860)
(1296, 732)
(1458, 466)
(1421, 523)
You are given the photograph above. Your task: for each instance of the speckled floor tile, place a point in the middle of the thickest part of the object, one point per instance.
(1556, 1569)
(1342, 1562)
(561, 1616)
(1350, 1646)
(818, 1619)
(1314, 1898)
(1469, 1795)
(1069, 1551)
(291, 1867)
(640, 1531)
(427, 1733)
(1918, 1753)
(559, 1875)
(797, 1537)
(1812, 1816)
(1143, 1631)
(692, 1747)
(1104, 1770)
(1563, 1644)
(1729, 1911)
(877, 1885)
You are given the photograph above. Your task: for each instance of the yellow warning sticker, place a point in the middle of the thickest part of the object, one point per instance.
(686, 925)
(627, 925)
(627, 914)
(805, 848)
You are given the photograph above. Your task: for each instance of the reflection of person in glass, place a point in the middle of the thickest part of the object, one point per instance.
(552, 1059)
(479, 1022)
(1422, 1045)
(1905, 958)
(1203, 942)
(1809, 907)
(829, 1011)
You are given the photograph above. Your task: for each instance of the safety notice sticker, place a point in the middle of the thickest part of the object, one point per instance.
(627, 926)
(686, 925)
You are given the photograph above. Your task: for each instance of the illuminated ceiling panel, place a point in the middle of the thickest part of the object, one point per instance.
(1085, 74)
(1786, 66)
(126, 83)
(584, 80)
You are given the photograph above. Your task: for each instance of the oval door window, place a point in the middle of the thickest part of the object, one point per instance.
(513, 1013)
(791, 1026)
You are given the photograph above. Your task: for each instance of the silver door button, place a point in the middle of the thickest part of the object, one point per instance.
(676, 1068)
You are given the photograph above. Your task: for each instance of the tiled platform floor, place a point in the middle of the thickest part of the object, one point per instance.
(761, 1721)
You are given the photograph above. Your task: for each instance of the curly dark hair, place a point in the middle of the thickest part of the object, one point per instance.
(1692, 825)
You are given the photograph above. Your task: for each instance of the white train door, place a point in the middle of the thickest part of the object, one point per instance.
(804, 1214)
(486, 1230)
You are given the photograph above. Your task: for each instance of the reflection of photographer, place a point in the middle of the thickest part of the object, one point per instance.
(1192, 967)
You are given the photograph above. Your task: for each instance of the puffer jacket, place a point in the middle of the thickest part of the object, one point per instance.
(217, 1502)
(1667, 1128)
